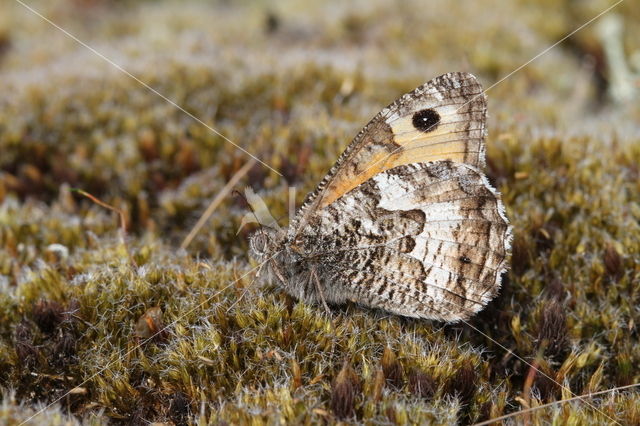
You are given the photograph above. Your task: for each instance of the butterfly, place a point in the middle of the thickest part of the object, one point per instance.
(406, 220)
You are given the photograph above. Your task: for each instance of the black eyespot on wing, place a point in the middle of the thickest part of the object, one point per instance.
(426, 120)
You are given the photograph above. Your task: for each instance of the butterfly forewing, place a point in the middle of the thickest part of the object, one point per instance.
(442, 120)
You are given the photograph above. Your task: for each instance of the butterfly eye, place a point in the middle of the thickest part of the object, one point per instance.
(259, 242)
(426, 120)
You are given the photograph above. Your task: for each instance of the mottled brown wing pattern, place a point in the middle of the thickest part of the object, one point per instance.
(442, 120)
(405, 220)
(426, 240)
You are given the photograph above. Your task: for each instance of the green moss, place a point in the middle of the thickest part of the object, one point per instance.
(292, 85)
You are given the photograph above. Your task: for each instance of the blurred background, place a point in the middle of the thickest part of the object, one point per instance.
(292, 83)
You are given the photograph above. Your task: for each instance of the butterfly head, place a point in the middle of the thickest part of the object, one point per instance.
(263, 242)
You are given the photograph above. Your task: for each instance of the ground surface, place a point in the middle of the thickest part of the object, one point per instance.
(292, 85)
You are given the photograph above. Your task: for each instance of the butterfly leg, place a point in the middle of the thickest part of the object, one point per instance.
(316, 281)
(277, 272)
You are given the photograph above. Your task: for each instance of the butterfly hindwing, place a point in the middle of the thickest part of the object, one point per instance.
(425, 240)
